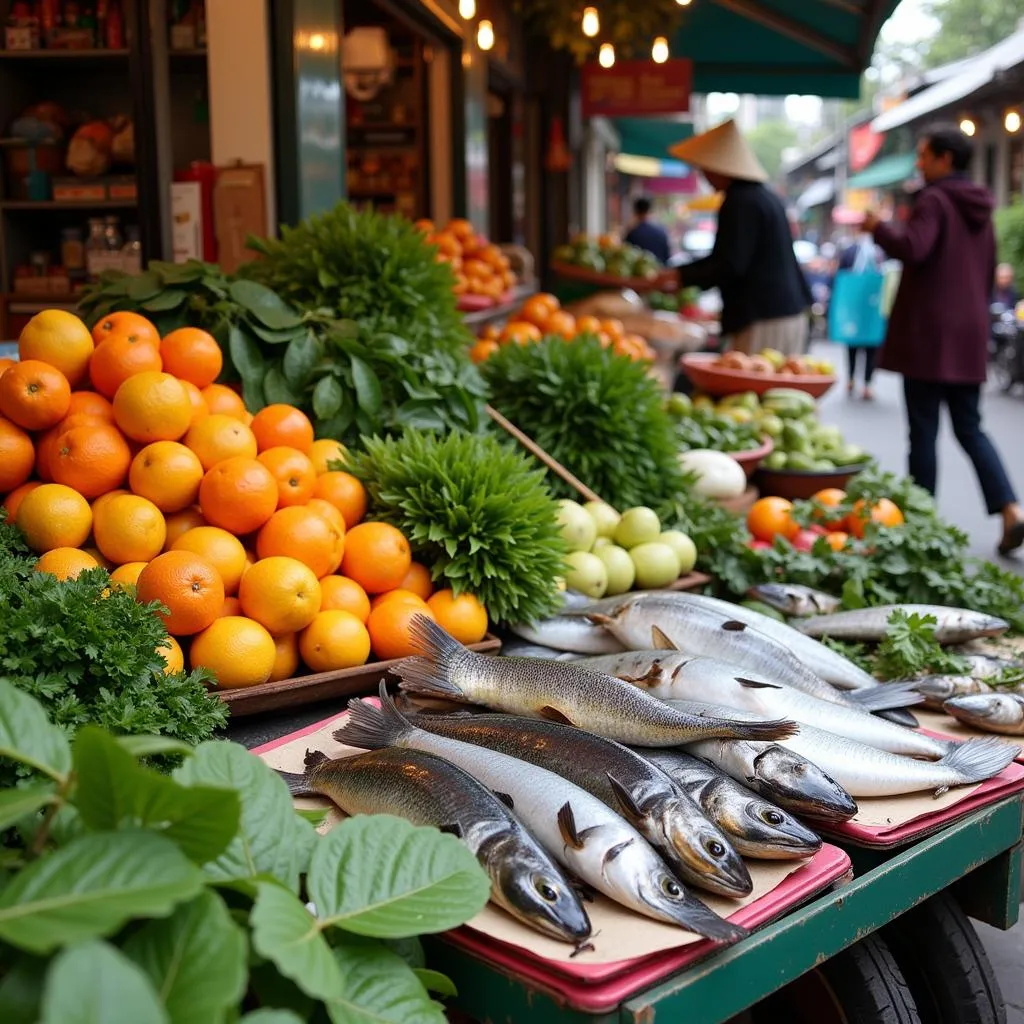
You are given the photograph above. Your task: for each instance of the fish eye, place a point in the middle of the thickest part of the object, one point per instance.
(715, 848)
(671, 888)
(772, 817)
(548, 892)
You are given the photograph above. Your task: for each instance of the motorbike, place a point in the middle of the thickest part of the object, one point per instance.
(1006, 344)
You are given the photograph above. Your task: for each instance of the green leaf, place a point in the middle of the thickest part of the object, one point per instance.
(435, 981)
(327, 398)
(300, 359)
(180, 273)
(316, 816)
(379, 875)
(92, 886)
(167, 300)
(21, 990)
(195, 959)
(149, 746)
(271, 839)
(94, 983)
(114, 791)
(144, 286)
(17, 803)
(27, 735)
(284, 931)
(269, 1016)
(275, 337)
(267, 306)
(367, 386)
(251, 366)
(276, 388)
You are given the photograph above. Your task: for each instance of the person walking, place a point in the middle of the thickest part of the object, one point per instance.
(647, 235)
(939, 326)
(765, 296)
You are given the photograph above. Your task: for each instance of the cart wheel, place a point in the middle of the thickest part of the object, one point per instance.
(861, 985)
(946, 965)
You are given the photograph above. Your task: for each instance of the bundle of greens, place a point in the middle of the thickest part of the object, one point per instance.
(599, 414)
(132, 897)
(476, 514)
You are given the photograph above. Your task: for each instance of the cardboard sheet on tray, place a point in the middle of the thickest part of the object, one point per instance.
(939, 724)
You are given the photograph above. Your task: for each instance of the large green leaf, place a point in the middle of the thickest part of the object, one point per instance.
(16, 803)
(114, 790)
(94, 983)
(327, 397)
(269, 1016)
(276, 388)
(165, 301)
(27, 735)
(380, 988)
(300, 358)
(94, 885)
(271, 839)
(266, 305)
(367, 385)
(195, 959)
(147, 746)
(284, 931)
(379, 875)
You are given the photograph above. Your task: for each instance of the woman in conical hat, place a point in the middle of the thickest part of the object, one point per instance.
(765, 297)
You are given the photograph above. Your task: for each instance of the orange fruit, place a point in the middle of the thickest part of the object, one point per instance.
(334, 640)
(377, 557)
(174, 657)
(94, 459)
(195, 398)
(329, 512)
(193, 355)
(830, 497)
(405, 596)
(65, 563)
(91, 404)
(127, 575)
(343, 594)
(483, 350)
(54, 516)
(345, 493)
(561, 324)
(324, 452)
(538, 309)
(885, 513)
(520, 332)
(221, 549)
(464, 617)
(588, 325)
(302, 533)
(388, 627)
(238, 651)
(219, 398)
(188, 586)
(180, 522)
(125, 324)
(105, 499)
(286, 657)
(60, 339)
(168, 474)
(231, 606)
(13, 500)
(281, 594)
(238, 494)
(17, 456)
(34, 395)
(119, 357)
(293, 472)
(837, 539)
(770, 517)
(103, 563)
(6, 364)
(129, 529)
(152, 406)
(278, 425)
(613, 328)
(217, 437)
(418, 581)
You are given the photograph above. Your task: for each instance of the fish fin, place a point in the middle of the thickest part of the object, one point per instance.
(433, 642)
(978, 760)
(734, 626)
(314, 758)
(612, 852)
(773, 729)
(753, 684)
(886, 696)
(901, 716)
(371, 728)
(554, 715)
(420, 675)
(298, 785)
(583, 947)
(648, 680)
(505, 799)
(660, 640)
(626, 803)
(598, 619)
(567, 826)
(451, 828)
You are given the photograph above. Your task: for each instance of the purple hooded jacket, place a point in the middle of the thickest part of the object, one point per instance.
(939, 325)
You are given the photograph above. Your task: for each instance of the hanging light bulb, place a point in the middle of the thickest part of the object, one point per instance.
(684, 3)
(485, 35)
(659, 51)
(591, 22)
(606, 55)
(1012, 121)
(968, 127)
(467, 9)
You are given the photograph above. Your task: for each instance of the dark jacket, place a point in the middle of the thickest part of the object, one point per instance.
(651, 238)
(939, 325)
(752, 264)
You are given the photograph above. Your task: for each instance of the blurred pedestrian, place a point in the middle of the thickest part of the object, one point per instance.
(647, 235)
(1004, 291)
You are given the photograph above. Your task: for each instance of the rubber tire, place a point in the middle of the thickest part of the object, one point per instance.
(945, 964)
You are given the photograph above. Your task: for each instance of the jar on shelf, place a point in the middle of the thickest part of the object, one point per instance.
(131, 254)
(72, 252)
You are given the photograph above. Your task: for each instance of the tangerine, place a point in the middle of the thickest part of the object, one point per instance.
(125, 324)
(771, 517)
(483, 350)
(377, 557)
(277, 425)
(105, 499)
(343, 594)
(127, 575)
(334, 640)
(34, 395)
(405, 596)
(168, 474)
(180, 522)
(324, 452)
(60, 339)
(884, 512)
(329, 512)
(418, 580)
(221, 549)
(281, 594)
(286, 657)
(389, 630)
(588, 325)
(345, 493)
(520, 332)
(217, 437)
(91, 404)
(238, 494)
(294, 473)
(54, 516)
(302, 533)
(94, 459)
(837, 539)
(122, 356)
(152, 406)
(174, 657)
(192, 354)
(830, 497)
(189, 588)
(561, 324)
(538, 309)
(238, 651)
(231, 606)
(195, 398)
(219, 398)
(13, 500)
(65, 563)
(129, 529)
(17, 456)
(463, 617)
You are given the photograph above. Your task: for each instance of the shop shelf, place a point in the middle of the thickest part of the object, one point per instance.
(53, 204)
(65, 55)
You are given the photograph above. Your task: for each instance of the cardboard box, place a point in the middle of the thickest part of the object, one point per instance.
(186, 220)
(239, 210)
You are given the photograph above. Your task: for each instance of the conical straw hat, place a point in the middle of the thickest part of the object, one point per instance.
(721, 150)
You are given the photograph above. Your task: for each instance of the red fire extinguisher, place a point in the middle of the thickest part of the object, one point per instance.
(205, 174)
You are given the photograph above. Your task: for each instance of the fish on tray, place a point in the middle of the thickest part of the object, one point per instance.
(992, 712)
(936, 690)
(521, 649)
(567, 633)
(693, 847)
(795, 600)
(756, 827)
(582, 833)
(428, 790)
(869, 625)
(560, 691)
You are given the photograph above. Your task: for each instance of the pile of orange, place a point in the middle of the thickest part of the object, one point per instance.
(479, 267)
(118, 449)
(542, 316)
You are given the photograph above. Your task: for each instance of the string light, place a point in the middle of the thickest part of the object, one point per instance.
(467, 9)
(659, 51)
(1012, 121)
(606, 55)
(684, 3)
(485, 35)
(591, 22)
(968, 127)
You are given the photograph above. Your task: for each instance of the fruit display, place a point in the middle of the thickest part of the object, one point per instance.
(243, 529)
(606, 255)
(701, 426)
(769, 361)
(481, 269)
(685, 302)
(735, 371)
(611, 553)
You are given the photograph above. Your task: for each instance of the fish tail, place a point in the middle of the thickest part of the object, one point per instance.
(298, 785)
(370, 727)
(978, 760)
(699, 918)
(886, 696)
(433, 642)
(420, 675)
(775, 729)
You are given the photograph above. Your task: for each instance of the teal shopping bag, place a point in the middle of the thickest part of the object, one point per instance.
(855, 314)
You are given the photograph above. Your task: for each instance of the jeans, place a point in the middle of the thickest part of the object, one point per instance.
(924, 400)
(869, 354)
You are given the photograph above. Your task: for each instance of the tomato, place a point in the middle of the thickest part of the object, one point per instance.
(804, 540)
(885, 513)
(771, 517)
(837, 540)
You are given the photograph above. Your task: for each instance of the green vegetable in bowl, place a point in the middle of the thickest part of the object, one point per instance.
(703, 429)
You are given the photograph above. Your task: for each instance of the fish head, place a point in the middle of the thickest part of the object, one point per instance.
(775, 828)
(997, 708)
(990, 625)
(778, 596)
(785, 775)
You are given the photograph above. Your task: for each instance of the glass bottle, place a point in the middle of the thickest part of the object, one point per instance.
(114, 238)
(96, 251)
(131, 254)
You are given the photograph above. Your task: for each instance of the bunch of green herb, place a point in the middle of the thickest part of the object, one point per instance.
(476, 514)
(132, 897)
(910, 649)
(599, 414)
(703, 428)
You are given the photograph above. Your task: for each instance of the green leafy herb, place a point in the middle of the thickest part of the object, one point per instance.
(910, 649)
(702, 428)
(860, 654)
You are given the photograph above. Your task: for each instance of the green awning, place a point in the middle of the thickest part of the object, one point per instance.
(889, 170)
(649, 136)
(778, 47)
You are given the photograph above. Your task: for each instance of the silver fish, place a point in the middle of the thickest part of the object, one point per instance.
(644, 795)
(427, 790)
(567, 633)
(936, 690)
(795, 600)
(993, 712)
(560, 691)
(522, 649)
(755, 827)
(953, 625)
(981, 666)
(582, 833)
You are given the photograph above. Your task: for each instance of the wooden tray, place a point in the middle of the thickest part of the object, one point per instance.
(301, 690)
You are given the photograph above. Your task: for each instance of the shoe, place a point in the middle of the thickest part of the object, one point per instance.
(1013, 538)
(868, 395)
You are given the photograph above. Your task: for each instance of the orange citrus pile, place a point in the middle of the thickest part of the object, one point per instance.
(479, 267)
(118, 449)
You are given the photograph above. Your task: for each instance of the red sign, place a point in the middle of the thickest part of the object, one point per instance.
(864, 146)
(637, 87)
